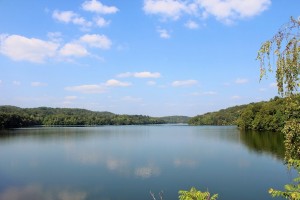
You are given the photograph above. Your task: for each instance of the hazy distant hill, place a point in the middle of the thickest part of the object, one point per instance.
(175, 119)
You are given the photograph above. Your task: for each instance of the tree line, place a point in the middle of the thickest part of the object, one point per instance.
(266, 115)
(15, 117)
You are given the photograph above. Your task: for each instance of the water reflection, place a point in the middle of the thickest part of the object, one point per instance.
(257, 141)
(42, 133)
(228, 133)
(37, 192)
(264, 142)
(46, 133)
(133, 160)
(147, 171)
(186, 163)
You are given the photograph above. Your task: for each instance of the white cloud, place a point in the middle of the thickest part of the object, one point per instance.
(228, 10)
(151, 83)
(209, 93)
(38, 84)
(140, 75)
(21, 48)
(116, 83)
(64, 16)
(101, 22)
(16, 83)
(184, 83)
(55, 36)
(98, 7)
(163, 33)
(131, 99)
(70, 98)
(1, 82)
(70, 17)
(191, 24)
(95, 40)
(167, 8)
(98, 88)
(125, 75)
(81, 21)
(147, 75)
(73, 49)
(241, 81)
(87, 89)
(236, 97)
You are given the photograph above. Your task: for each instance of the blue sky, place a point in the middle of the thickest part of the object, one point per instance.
(150, 57)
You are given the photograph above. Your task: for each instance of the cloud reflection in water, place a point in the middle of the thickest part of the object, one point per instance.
(36, 192)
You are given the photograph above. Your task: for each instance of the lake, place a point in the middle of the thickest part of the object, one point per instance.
(127, 162)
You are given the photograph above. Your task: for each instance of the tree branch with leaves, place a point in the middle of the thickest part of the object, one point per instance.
(284, 48)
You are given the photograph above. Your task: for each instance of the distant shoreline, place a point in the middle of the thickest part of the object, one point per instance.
(15, 117)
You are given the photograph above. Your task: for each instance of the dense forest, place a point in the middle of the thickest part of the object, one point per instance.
(14, 117)
(175, 119)
(266, 115)
(222, 117)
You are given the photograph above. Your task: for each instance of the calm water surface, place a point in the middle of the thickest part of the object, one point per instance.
(127, 162)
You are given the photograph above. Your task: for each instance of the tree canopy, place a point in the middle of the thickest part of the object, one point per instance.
(15, 117)
(266, 115)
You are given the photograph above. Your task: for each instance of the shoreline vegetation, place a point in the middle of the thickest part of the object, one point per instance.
(261, 116)
(15, 117)
(265, 115)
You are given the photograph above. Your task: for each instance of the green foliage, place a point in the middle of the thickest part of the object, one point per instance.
(227, 116)
(292, 129)
(175, 119)
(291, 191)
(11, 117)
(194, 194)
(14, 117)
(285, 47)
(269, 116)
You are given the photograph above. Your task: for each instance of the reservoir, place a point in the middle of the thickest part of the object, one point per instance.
(127, 162)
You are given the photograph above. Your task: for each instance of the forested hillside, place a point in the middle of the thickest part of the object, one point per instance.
(222, 117)
(264, 115)
(175, 119)
(268, 115)
(13, 117)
